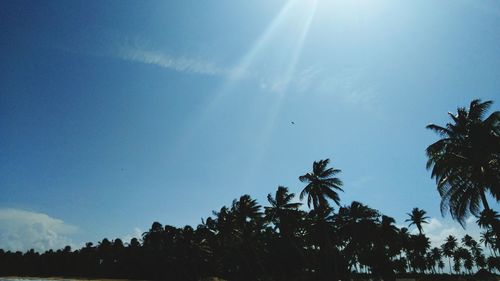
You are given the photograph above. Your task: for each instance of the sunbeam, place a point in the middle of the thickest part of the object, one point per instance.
(275, 108)
(239, 72)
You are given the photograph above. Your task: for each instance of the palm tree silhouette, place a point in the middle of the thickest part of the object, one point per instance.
(321, 185)
(281, 209)
(488, 218)
(356, 223)
(435, 255)
(417, 218)
(466, 160)
(488, 238)
(448, 248)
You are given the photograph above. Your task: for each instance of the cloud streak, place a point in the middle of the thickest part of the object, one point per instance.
(21, 230)
(181, 64)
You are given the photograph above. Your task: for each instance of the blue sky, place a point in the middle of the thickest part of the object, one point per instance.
(115, 114)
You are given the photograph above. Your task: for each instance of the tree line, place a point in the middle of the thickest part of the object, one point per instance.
(284, 240)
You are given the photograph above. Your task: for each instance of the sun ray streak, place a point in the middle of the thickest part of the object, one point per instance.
(239, 72)
(275, 109)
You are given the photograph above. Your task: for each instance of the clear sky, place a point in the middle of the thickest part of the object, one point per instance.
(115, 114)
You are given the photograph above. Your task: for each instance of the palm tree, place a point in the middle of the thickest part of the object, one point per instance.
(466, 160)
(435, 255)
(404, 240)
(356, 224)
(417, 218)
(281, 209)
(468, 261)
(441, 265)
(247, 214)
(488, 218)
(420, 245)
(321, 185)
(468, 241)
(448, 248)
(284, 215)
(457, 259)
(488, 238)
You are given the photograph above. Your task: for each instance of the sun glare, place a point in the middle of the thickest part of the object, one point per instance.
(293, 13)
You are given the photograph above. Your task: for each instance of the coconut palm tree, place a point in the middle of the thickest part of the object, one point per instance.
(468, 241)
(488, 218)
(468, 261)
(466, 160)
(286, 218)
(441, 265)
(247, 214)
(404, 240)
(420, 244)
(417, 218)
(321, 185)
(356, 224)
(281, 209)
(435, 255)
(488, 238)
(448, 248)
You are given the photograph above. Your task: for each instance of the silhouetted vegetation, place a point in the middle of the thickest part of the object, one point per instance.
(285, 241)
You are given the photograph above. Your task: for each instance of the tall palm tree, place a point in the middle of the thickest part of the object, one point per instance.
(417, 218)
(404, 240)
(321, 185)
(448, 248)
(285, 216)
(420, 245)
(468, 260)
(466, 160)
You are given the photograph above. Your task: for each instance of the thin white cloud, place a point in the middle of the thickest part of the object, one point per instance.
(22, 230)
(300, 80)
(181, 64)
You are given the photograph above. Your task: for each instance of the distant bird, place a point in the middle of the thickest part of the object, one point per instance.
(293, 123)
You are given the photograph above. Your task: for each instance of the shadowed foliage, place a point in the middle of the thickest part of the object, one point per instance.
(466, 160)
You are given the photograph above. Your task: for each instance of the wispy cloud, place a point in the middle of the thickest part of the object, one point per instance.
(23, 230)
(301, 80)
(163, 60)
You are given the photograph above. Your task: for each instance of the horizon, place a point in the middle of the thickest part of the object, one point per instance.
(113, 116)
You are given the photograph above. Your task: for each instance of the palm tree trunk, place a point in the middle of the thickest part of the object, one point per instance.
(485, 202)
(449, 263)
